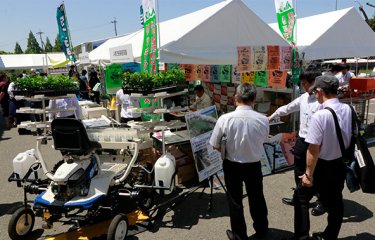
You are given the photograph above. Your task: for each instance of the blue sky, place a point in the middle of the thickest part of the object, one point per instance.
(90, 19)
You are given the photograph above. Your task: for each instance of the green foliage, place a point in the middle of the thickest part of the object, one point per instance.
(33, 45)
(48, 46)
(371, 22)
(38, 83)
(57, 47)
(18, 49)
(3, 52)
(146, 81)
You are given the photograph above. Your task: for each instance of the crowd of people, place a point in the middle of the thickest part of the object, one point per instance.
(319, 164)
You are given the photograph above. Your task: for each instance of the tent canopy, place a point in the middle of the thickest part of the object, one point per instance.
(208, 36)
(337, 34)
(27, 61)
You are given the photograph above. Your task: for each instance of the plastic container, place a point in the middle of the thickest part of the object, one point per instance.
(165, 168)
(22, 163)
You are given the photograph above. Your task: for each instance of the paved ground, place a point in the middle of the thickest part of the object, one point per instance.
(191, 220)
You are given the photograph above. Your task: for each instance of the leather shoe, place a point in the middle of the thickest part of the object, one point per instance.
(318, 210)
(317, 236)
(231, 235)
(288, 201)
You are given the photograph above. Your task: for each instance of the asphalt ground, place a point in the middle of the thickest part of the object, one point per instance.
(191, 219)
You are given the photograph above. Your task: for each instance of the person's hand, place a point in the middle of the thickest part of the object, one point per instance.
(307, 181)
(269, 119)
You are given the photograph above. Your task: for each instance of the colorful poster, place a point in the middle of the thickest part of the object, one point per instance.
(206, 73)
(64, 34)
(224, 73)
(261, 79)
(273, 57)
(286, 58)
(200, 125)
(148, 103)
(214, 73)
(286, 19)
(131, 67)
(189, 71)
(236, 76)
(259, 60)
(248, 77)
(149, 58)
(277, 79)
(198, 72)
(244, 55)
(113, 78)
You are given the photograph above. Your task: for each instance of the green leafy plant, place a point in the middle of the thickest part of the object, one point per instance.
(39, 83)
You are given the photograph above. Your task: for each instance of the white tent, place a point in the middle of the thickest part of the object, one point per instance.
(338, 34)
(208, 36)
(27, 61)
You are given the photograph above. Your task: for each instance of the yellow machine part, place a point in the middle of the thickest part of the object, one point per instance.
(99, 229)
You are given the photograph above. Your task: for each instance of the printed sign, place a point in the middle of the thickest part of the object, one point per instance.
(259, 60)
(121, 54)
(277, 79)
(261, 79)
(273, 57)
(243, 63)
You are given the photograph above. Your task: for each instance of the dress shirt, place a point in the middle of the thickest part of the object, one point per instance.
(245, 131)
(11, 88)
(126, 101)
(201, 102)
(64, 104)
(306, 104)
(322, 129)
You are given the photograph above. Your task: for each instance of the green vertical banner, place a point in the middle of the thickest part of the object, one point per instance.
(150, 53)
(148, 103)
(113, 78)
(66, 42)
(286, 18)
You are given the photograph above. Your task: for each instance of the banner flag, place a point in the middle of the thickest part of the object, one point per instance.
(150, 53)
(286, 18)
(286, 58)
(224, 73)
(214, 69)
(64, 35)
(277, 79)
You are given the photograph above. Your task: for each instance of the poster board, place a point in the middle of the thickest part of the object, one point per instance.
(200, 125)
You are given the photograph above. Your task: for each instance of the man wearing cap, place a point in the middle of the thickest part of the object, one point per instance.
(325, 168)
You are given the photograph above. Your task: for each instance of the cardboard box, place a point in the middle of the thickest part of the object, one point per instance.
(363, 84)
(185, 174)
(94, 112)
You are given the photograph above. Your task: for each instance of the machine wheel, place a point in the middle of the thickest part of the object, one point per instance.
(21, 224)
(118, 229)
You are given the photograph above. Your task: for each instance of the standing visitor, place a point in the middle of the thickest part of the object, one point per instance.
(245, 131)
(125, 102)
(325, 170)
(94, 93)
(12, 105)
(306, 105)
(4, 98)
(83, 85)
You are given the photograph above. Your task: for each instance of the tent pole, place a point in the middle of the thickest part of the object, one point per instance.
(157, 24)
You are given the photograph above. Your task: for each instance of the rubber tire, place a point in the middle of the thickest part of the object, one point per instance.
(112, 229)
(12, 226)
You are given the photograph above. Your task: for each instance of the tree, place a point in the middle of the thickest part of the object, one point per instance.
(33, 45)
(48, 46)
(3, 52)
(18, 49)
(371, 22)
(58, 46)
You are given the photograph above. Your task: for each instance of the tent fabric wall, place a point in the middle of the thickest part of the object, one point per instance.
(338, 34)
(27, 61)
(208, 36)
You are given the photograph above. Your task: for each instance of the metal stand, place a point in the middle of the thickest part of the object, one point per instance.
(211, 181)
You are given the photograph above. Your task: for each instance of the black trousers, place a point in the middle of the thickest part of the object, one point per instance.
(251, 174)
(300, 149)
(329, 177)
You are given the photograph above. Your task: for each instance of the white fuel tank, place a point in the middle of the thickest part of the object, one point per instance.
(22, 163)
(165, 168)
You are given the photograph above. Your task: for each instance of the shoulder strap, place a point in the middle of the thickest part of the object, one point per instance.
(338, 130)
(355, 122)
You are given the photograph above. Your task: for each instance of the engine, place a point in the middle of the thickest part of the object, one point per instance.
(73, 178)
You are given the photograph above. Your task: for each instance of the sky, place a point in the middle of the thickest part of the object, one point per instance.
(91, 19)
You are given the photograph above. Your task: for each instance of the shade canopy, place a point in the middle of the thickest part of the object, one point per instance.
(27, 61)
(338, 34)
(208, 36)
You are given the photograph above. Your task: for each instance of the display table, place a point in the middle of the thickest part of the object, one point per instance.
(178, 137)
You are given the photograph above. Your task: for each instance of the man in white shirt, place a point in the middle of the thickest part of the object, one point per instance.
(126, 103)
(306, 105)
(325, 170)
(346, 75)
(202, 100)
(245, 131)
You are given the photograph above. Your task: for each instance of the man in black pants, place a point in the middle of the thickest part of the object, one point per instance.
(325, 170)
(306, 105)
(245, 131)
